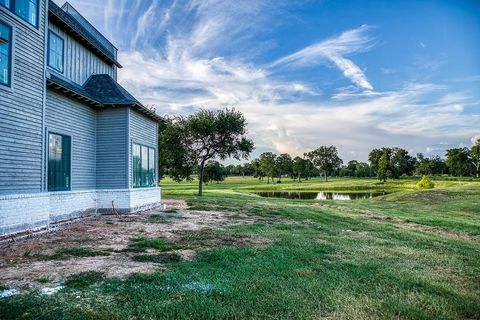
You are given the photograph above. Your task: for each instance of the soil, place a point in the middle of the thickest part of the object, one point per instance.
(25, 263)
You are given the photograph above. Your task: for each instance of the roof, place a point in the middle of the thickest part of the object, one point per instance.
(107, 90)
(80, 32)
(100, 91)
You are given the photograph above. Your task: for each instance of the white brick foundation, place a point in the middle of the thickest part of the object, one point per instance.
(22, 212)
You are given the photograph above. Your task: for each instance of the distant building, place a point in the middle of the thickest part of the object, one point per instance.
(72, 140)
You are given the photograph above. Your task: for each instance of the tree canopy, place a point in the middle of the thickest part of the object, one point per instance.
(325, 159)
(188, 142)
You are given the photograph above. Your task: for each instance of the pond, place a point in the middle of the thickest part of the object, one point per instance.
(322, 195)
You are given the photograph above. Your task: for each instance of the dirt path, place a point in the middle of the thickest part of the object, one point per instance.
(24, 265)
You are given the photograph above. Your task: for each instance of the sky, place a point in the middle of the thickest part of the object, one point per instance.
(354, 74)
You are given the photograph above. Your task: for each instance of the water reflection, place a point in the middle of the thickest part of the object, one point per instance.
(322, 195)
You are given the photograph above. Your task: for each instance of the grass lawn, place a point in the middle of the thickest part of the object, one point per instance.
(405, 255)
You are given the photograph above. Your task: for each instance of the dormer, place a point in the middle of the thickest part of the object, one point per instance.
(76, 49)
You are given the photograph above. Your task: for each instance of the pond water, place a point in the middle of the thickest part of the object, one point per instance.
(322, 195)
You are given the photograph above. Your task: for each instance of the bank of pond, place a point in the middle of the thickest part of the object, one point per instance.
(320, 195)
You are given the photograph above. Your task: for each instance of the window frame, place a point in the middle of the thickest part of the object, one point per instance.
(155, 180)
(11, 9)
(9, 84)
(9, 5)
(70, 159)
(50, 32)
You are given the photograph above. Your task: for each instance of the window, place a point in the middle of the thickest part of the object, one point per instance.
(55, 51)
(27, 10)
(59, 150)
(143, 159)
(5, 54)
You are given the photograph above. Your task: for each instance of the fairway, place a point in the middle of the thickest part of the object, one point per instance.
(408, 254)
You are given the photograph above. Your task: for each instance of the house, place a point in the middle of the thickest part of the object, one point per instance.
(72, 140)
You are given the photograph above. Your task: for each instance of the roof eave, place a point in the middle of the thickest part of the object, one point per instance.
(73, 93)
(58, 20)
(138, 106)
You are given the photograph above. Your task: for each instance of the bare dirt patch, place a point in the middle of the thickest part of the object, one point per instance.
(35, 263)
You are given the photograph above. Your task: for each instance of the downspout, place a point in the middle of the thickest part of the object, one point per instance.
(43, 180)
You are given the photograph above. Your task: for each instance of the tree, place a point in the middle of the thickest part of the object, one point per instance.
(374, 158)
(267, 165)
(204, 136)
(402, 163)
(308, 165)
(326, 159)
(213, 171)
(229, 170)
(299, 168)
(174, 158)
(438, 165)
(458, 161)
(475, 156)
(256, 169)
(362, 170)
(384, 166)
(283, 165)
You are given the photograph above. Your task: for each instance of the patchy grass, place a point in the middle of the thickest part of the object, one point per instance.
(44, 279)
(71, 252)
(84, 279)
(158, 258)
(141, 244)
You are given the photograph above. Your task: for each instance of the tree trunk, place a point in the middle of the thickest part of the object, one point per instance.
(200, 182)
(325, 175)
(299, 177)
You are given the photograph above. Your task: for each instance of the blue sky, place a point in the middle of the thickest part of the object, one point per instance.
(355, 74)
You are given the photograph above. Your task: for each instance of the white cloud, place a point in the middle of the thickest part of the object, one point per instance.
(335, 50)
(194, 68)
(475, 139)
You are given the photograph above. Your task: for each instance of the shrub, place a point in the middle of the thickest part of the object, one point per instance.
(425, 183)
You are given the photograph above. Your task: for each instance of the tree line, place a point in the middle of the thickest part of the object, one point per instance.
(383, 163)
(192, 145)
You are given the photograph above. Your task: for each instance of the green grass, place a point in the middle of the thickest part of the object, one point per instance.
(70, 252)
(44, 279)
(141, 244)
(406, 255)
(84, 279)
(158, 258)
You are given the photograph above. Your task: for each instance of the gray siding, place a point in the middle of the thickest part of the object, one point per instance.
(21, 109)
(79, 62)
(71, 117)
(112, 151)
(143, 130)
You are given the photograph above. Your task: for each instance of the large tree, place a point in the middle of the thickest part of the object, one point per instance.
(401, 162)
(267, 165)
(206, 135)
(326, 159)
(458, 161)
(374, 158)
(299, 168)
(384, 169)
(256, 170)
(362, 170)
(283, 165)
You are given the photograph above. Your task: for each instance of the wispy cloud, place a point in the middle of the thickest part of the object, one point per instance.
(202, 54)
(334, 50)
